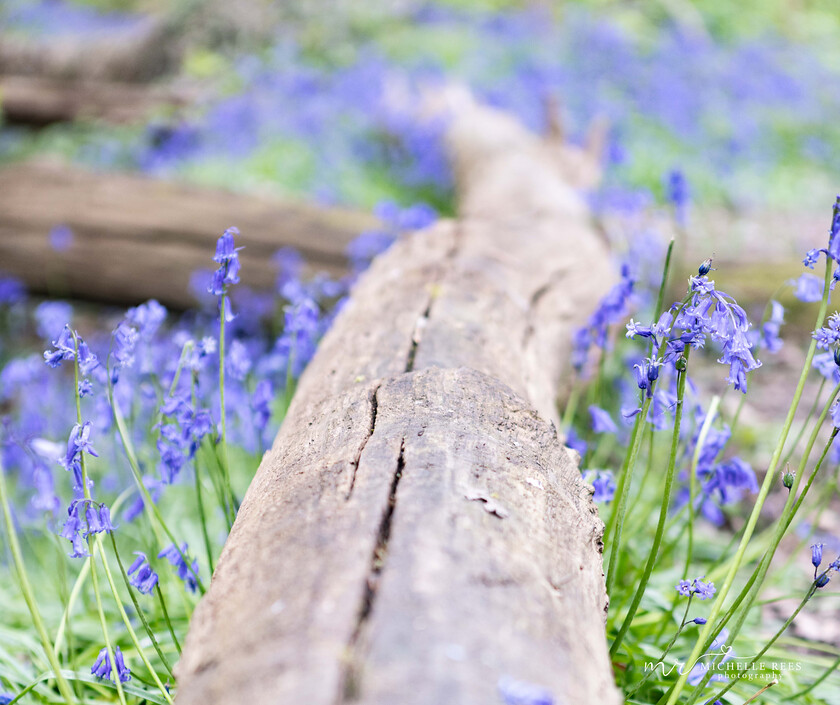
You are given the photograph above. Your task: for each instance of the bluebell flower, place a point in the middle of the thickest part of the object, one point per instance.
(64, 348)
(601, 421)
(611, 309)
(703, 590)
(147, 317)
(817, 554)
(85, 517)
(261, 403)
(227, 256)
(770, 339)
(811, 258)
(85, 388)
(177, 558)
(575, 442)
(102, 666)
(807, 288)
(603, 484)
(142, 575)
(829, 335)
(515, 692)
(699, 620)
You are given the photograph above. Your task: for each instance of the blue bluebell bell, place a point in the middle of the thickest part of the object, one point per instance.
(807, 288)
(603, 484)
(102, 666)
(141, 574)
(817, 554)
(187, 573)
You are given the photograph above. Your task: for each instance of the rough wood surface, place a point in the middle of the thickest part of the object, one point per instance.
(417, 531)
(39, 101)
(137, 238)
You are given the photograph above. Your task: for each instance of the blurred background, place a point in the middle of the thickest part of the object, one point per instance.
(315, 102)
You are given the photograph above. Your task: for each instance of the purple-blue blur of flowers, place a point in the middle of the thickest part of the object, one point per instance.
(187, 573)
(102, 666)
(603, 484)
(700, 588)
(601, 420)
(677, 193)
(61, 238)
(807, 287)
(770, 340)
(141, 574)
(516, 692)
(575, 442)
(12, 289)
(611, 309)
(395, 221)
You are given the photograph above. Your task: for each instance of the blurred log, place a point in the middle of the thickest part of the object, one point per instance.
(418, 532)
(141, 50)
(37, 101)
(136, 238)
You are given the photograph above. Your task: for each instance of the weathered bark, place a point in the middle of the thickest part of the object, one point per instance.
(418, 531)
(38, 101)
(136, 238)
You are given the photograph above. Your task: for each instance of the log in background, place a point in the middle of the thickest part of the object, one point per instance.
(418, 531)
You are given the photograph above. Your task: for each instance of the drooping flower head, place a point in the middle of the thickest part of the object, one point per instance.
(141, 574)
(102, 666)
(187, 573)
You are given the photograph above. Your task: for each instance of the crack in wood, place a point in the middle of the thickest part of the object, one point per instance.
(374, 409)
(350, 682)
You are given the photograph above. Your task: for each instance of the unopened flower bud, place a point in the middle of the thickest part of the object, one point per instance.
(822, 580)
(788, 478)
(680, 364)
(699, 620)
(705, 267)
(837, 356)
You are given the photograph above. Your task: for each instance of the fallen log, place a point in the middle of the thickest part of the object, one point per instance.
(136, 238)
(418, 531)
(39, 101)
(140, 49)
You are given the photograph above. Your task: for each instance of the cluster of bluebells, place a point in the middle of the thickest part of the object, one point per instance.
(141, 574)
(698, 587)
(102, 666)
(706, 312)
(85, 517)
(611, 309)
(227, 273)
(181, 433)
(722, 482)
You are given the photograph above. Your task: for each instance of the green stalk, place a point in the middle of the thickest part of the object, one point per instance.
(665, 651)
(166, 617)
(828, 671)
(663, 511)
(86, 489)
(137, 608)
(616, 521)
(770, 643)
(801, 433)
(678, 687)
(28, 594)
(225, 460)
(132, 634)
(692, 478)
